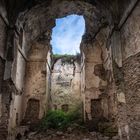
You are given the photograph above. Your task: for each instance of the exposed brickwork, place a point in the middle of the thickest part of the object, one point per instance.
(130, 111)
(131, 67)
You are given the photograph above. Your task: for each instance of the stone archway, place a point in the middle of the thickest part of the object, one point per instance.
(113, 26)
(35, 27)
(39, 29)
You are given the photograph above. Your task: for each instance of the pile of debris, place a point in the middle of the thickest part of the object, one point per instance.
(69, 134)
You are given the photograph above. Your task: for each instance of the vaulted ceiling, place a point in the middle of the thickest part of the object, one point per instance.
(14, 7)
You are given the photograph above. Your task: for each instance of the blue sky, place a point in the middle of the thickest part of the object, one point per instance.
(67, 34)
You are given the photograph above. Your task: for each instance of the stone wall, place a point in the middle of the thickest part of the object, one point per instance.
(130, 36)
(125, 58)
(96, 84)
(65, 85)
(1, 72)
(16, 95)
(2, 38)
(110, 67)
(92, 79)
(3, 109)
(35, 81)
(98, 91)
(83, 82)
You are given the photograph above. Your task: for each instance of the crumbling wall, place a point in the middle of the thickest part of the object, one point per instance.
(98, 77)
(48, 81)
(99, 87)
(125, 59)
(35, 79)
(1, 72)
(2, 38)
(130, 37)
(95, 81)
(65, 85)
(82, 75)
(17, 74)
(15, 113)
(3, 109)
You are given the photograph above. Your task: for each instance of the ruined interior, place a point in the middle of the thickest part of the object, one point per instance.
(109, 70)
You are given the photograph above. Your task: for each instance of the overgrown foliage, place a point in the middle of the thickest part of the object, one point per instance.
(62, 55)
(67, 58)
(59, 120)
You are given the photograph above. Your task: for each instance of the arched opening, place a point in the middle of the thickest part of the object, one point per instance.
(66, 59)
(109, 59)
(81, 76)
(67, 35)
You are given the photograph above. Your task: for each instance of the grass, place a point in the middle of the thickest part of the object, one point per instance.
(59, 120)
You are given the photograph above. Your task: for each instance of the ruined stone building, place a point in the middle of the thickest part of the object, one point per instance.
(107, 80)
(65, 84)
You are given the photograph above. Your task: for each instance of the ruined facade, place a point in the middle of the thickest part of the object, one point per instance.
(65, 84)
(110, 69)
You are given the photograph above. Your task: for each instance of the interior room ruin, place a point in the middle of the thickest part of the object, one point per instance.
(102, 82)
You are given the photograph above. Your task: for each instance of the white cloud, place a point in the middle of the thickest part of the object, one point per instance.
(67, 34)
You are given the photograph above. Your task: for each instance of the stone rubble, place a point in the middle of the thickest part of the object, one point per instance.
(74, 135)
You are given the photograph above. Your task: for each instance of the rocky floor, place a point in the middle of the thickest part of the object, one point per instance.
(68, 135)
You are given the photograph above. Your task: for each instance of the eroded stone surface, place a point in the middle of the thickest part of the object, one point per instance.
(2, 38)
(65, 85)
(109, 70)
(132, 89)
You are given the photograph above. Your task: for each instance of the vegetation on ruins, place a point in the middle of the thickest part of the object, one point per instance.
(67, 58)
(58, 119)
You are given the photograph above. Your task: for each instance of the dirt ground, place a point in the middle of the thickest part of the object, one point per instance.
(67, 135)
